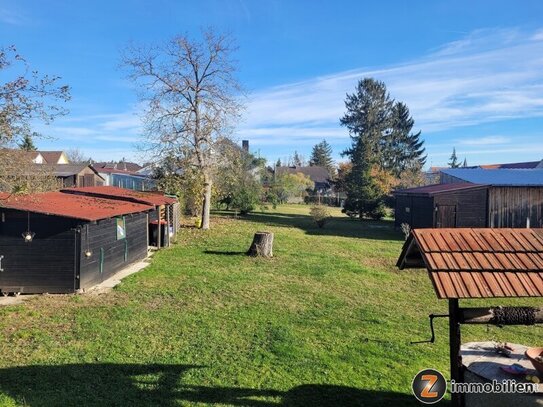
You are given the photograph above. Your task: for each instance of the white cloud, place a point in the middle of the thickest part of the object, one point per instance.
(11, 16)
(488, 76)
(488, 140)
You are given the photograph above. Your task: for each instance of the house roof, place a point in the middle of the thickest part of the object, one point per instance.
(71, 206)
(430, 190)
(498, 177)
(120, 166)
(147, 198)
(66, 170)
(51, 157)
(478, 263)
(315, 173)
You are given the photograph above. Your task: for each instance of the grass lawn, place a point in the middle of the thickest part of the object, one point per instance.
(327, 321)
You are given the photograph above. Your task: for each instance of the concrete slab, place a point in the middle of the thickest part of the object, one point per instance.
(110, 283)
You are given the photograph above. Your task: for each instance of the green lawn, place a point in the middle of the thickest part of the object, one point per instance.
(327, 321)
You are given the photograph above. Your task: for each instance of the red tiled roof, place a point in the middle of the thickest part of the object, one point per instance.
(149, 198)
(478, 263)
(71, 206)
(438, 188)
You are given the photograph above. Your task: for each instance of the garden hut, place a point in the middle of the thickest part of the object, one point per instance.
(55, 242)
(164, 217)
(442, 205)
(469, 263)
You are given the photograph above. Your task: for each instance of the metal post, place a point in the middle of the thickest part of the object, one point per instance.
(454, 344)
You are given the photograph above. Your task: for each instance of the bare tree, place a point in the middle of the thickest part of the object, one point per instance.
(26, 97)
(20, 175)
(76, 156)
(192, 99)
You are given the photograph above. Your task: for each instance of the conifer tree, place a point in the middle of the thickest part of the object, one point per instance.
(453, 160)
(27, 143)
(322, 156)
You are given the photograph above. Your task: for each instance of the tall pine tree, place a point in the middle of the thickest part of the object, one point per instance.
(403, 149)
(321, 156)
(453, 160)
(27, 144)
(381, 135)
(367, 119)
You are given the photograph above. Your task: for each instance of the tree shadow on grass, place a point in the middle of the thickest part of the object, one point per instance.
(337, 226)
(225, 253)
(162, 385)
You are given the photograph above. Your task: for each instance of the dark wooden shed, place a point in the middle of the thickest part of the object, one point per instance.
(60, 243)
(164, 213)
(442, 206)
(515, 196)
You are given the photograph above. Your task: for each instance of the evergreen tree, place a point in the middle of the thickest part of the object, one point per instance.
(402, 149)
(278, 163)
(453, 160)
(27, 144)
(322, 156)
(364, 197)
(367, 119)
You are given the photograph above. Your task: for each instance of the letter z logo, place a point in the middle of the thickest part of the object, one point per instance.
(427, 392)
(429, 386)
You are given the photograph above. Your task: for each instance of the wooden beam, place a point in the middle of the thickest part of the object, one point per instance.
(454, 350)
(486, 316)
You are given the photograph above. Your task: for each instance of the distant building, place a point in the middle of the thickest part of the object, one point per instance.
(125, 175)
(75, 175)
(319, 175)
(54, 157)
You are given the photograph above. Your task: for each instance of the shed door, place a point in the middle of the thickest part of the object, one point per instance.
(445, 216)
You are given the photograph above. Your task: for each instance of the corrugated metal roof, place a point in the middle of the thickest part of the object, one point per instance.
(438, 188)
(498, 177)
(71, 206)
(478, 263)
(527, 164)
(149, 198)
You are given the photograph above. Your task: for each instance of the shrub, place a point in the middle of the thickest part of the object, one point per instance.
(320, 214)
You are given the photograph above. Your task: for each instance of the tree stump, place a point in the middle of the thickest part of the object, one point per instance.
(262, 245)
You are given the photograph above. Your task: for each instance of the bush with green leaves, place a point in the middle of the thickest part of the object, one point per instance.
(320, 214)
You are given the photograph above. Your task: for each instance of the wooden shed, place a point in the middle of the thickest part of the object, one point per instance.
(74, 175)
(442, 205)
(55, 242)
(515, 196)
(165, 209)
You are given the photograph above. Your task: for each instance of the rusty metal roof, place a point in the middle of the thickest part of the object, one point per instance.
(478, 263)
(429, 190)
(148, 198)
(71, 206)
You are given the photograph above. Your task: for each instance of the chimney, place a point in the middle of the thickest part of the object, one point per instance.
(245, 145)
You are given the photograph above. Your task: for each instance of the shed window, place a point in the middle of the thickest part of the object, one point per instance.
(121, 228)
(407, 209)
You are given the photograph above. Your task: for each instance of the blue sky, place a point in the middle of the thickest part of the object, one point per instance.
(471, 72)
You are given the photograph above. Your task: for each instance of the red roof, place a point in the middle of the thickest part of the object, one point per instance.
(438, 188)
(71, 206)
(148, 198)
(478, 263)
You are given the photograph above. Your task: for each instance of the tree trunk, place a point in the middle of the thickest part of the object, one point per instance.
(206, 206)
(262, 245)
